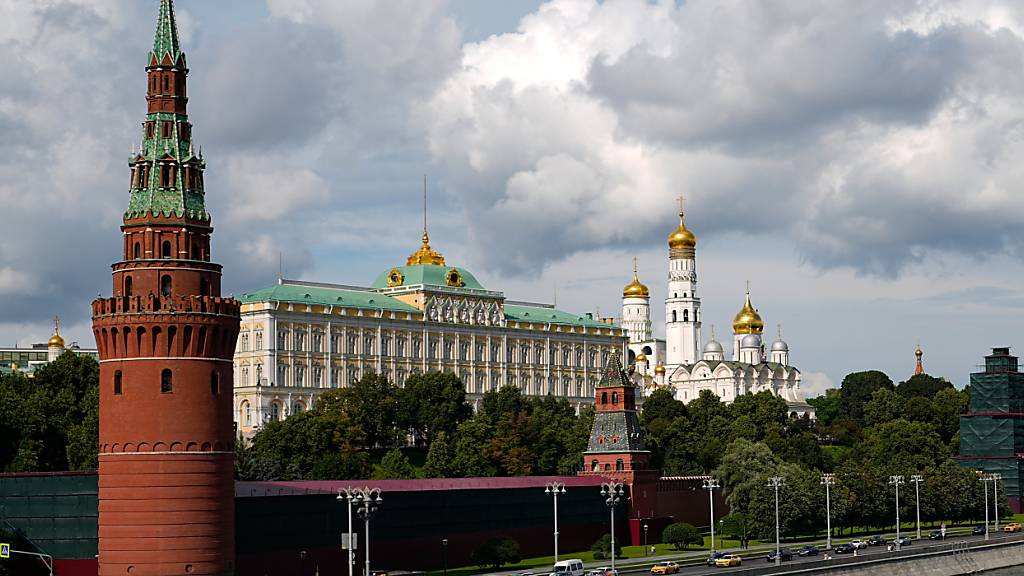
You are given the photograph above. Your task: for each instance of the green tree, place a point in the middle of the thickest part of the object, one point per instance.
(433, 403)
(602, 547)
(680, 535)
(922, 385)
(371, 404)
(856, 391)
(947, 406)
(440, 458)
(394, 466)
(763, 410)
(743, 465)
(885, 406)
(495, 553)
(828, 406)
(471, 440)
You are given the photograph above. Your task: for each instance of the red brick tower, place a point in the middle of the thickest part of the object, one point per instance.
(616, 447)
(166, 339)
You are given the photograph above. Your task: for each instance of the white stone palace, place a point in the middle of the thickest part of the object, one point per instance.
(680, 364)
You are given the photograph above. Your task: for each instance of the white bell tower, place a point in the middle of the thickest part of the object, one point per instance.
(682, 306)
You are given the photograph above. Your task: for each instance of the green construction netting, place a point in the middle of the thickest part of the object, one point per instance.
(992, 392)
(57, 514)
(1010, 468)
(991, 436)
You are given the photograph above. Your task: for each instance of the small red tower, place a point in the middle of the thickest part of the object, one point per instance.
(166, 341)
(616, 447)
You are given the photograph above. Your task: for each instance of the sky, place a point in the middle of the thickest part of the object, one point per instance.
(857, 162)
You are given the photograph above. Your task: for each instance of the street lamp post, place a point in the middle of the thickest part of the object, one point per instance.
(996, 477)
(984, 480)
(897, 480)
(828, 480)
(710, 484)
(646, 550)
(777, 482)
(555, 488)
(367, 500)
(444, 555)
(613, 492)
(349, 495)
(917, 479)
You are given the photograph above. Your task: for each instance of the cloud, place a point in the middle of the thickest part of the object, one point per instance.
(814, 384)
(870, 133)
(261, 190)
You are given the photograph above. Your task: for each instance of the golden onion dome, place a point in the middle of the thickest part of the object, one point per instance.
(641, 357)
(681, 237)
(56, 341)
(659, 369)
(747, 320)
(635, 289)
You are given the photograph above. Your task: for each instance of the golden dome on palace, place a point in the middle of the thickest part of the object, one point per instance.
(659, 369)
(635, 289)
(425, 255)
(682, 237)
(747, 320)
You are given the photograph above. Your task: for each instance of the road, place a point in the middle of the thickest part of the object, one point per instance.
(867, 553)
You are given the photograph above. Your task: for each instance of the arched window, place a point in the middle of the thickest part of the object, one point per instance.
(275, 412)
(248, 414)
(166, 386)
(138, 251)
(117, 382)
(619, 465)
(594, 465)
(686, 315)
(298, 409)
(165, 249)
(165, 286)
(167, 82)
(673, 315)
(127, 285)
(215, 383)
(604, 397)
(204, 287)
(615, 397)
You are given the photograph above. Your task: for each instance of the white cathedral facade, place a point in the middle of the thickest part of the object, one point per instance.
(680, 363)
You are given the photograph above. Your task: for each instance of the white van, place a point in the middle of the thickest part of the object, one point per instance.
(572, 567)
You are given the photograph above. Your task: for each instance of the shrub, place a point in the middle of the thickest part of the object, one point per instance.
(495, 553)
(602, 548)
(681, 535)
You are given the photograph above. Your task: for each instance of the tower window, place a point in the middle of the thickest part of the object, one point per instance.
(167, 82)
(117, 382)
(165, 249)
(165, 286)
(619, 465)
(686, 315)
(127, 285)
(165, 174)
(149, 129)
(166, 386)
(615, 397)
(204, 287)
(604, 397)
(166, 130)
(673, 315)
(137, 251)
(215, 383)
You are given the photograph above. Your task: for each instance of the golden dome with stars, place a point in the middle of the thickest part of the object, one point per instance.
(747, 320)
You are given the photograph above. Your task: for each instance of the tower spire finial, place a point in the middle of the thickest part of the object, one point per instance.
(425, 237)
(713, 332)
(56, 325)
(634, 268)
(748, 287)
(682, 205)
(166, 39)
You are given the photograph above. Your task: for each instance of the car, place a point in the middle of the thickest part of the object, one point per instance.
(877, 540)
(978, 530)
(903, 541)
(729, 560)
(859, 544)
(713, 558)
(844, 548)
(785, 553)
(665, 568)
(807, 551)
(1013, 527)
(935, 535)
(572, 567)
(603, 571)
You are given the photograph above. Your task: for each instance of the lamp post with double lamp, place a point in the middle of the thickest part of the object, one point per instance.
(996, 477)
(348, 494)
(613, 493)
(710, 484)
(367, 500)
(828, 480)
(897, 480)
(777, 482)
(555, 488)
(917, 479)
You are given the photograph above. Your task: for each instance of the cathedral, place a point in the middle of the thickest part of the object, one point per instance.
(680, 363)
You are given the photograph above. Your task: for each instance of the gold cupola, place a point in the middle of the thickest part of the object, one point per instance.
(56, 341)
(747, 320)
(681, 238)
(635, 289)
(426, 254)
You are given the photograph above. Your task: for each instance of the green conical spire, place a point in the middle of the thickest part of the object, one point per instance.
(166, 39)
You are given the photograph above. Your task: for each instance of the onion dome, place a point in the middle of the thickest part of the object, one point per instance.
(713, 346)
(780, 346)
(750, 341)
(659, 369)
(681, 237)
(747, 320)
(641, 357)
(635, 289)
(56, 341)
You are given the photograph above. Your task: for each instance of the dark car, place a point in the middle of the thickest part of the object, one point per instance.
(903, 541)
(844, 549)
(714, 556)
(807, 551)
(877, 540)
(935, 535)
(786, 554)
(978, 530)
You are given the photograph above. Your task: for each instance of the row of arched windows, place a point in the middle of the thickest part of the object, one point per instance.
(167, 382)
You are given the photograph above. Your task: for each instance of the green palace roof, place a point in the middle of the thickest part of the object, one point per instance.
(324, 296)
(428, 275)
(526, 313)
